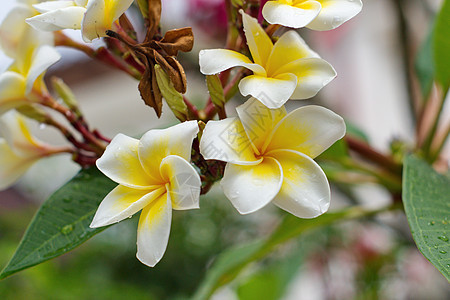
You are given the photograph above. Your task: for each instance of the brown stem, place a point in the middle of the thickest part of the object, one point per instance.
(406, 55)
(193, 111)
(366, 151)
(101, 54)
(76, 122)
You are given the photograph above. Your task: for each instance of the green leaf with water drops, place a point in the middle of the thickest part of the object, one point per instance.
(427, 206)
(62, 222)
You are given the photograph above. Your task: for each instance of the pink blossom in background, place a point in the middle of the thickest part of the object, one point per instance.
(210, 15)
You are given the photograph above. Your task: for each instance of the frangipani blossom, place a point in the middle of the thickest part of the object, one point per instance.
(19, 150)
(284, 70)
(314, 14)
(155, 176)
(33, 53)
(93, 17)
(270, 156)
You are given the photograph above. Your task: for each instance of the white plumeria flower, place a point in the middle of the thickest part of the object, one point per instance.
(288, 69)
(154, 174)
(19, 150)
(270, 156)
(314, 14)
(93, 17)
(33, 54)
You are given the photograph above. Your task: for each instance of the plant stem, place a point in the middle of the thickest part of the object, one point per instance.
(406, 55)
(101, 54)
(366, 151)
(431, 134)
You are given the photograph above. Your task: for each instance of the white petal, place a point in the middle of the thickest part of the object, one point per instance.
(100, 15)
(289, 15)
(259, 121)
(183, 182)
(312, 74)
(290, 47)
(64, 18)
(249, 188)
(12, 166)
(334, 13)
(12, 29)
(43, 58)
(258, 41)
(121, 163)
(309, 130)
(12, 91)
(14, 128)
(47, 6)
(272, 92)
(123, 202)
(154, 230)
(226, 140)
(305, 192)
(214, 61)
(156, 144)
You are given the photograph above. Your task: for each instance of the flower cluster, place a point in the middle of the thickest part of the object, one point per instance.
(268, 152)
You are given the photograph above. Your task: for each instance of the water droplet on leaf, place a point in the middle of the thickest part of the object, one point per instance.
(443, 238)
(67, 229)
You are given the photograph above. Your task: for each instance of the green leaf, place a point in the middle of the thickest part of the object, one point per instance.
(62, 222)
(215, 90)
(427, 206)
(143, 6)
(231, 262)
(271, 281)
(424, 65)
(441, 45)
(173, 98)
(337, 151)
(353, 130)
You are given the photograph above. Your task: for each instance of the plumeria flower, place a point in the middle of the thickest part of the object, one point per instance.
(314, 14)
(93, 17)
(270, 156)
(284, 70)
(33, 53)
(19, 150)
(155, 176)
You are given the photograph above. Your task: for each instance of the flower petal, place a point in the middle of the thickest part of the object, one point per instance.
(12, 29)
(156, 144)
(12, 165)
(58, 19)
(290, 47)
(309, 130)
(183, 182)
(334, 13)
(12, 91)
(312, 74)
(258, 41)
(121, 163)
(289, 15)
(214, 61)
(153, 230)
(47, 6)
(226, 140)
(272, 92)
(123, 202)
(259, 121)
(100, 15)
(43, 58)
(250, 188)
(305, 192)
